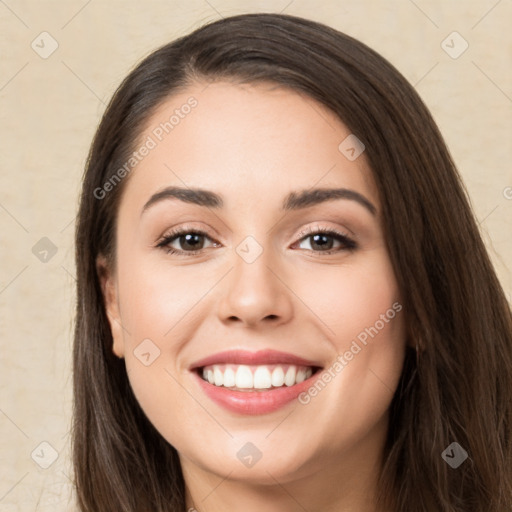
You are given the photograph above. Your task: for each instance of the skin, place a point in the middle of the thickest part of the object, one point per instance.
(248, 142)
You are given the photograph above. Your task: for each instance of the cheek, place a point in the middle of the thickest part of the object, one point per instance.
(161, 305)
(361, 314)
(154, 298)
(351, 300)
(362, 310)
(157, 303)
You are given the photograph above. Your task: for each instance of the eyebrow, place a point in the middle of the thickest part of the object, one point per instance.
(293, 201)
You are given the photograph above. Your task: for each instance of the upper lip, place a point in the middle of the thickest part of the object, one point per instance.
(246, 357)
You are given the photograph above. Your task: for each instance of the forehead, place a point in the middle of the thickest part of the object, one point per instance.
(256, 141)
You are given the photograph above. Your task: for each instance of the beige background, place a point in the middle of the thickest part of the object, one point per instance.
(49, 109)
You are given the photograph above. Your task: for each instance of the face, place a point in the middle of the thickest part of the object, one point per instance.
(285, 299)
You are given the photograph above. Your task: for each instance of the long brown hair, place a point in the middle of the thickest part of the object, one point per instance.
(459, 389)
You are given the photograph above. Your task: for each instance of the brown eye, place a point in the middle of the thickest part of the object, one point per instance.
(191, 241)
(323, 241)
(184, 241)
(320, 241)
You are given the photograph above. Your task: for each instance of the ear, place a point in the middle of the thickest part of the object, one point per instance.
(110, 298)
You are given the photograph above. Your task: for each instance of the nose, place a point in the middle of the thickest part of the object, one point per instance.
(256, 293)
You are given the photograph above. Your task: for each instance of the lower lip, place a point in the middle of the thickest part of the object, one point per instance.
(254, 402)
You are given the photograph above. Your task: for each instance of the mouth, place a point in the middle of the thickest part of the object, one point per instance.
(254, 382)
(256, 378)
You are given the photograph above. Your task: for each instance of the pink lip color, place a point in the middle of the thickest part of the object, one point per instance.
(253, 402)
(253, 358)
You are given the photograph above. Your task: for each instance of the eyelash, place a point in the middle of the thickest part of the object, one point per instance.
(348, 244)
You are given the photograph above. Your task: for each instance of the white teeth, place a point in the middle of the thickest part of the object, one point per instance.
(301, 376)
(278, 377)
(262, 378)
(229, 378)
(243, 378)
(255, 377)
(289, 378)
(218, 376)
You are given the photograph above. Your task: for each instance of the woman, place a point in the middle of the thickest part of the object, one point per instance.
(283, 297)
